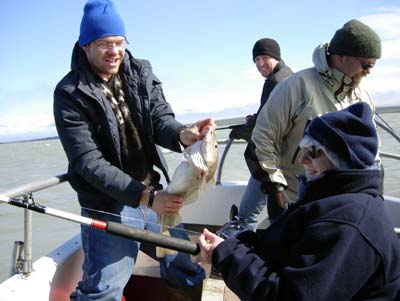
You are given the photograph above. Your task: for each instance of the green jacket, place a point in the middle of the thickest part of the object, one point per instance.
(292, 104)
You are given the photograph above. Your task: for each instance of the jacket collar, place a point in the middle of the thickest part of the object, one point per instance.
(335, 182)
(278, 67)
(87, 79)
(336, 80)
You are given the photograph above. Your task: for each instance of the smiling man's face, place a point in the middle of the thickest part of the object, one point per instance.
(105, 55)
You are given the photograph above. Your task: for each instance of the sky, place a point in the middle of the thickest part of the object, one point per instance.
(200, 50)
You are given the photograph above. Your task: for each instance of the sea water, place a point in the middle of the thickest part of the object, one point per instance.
(23, 162)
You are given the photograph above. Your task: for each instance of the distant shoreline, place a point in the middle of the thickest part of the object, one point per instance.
(31, 140)
(220, 122)
(388, 109)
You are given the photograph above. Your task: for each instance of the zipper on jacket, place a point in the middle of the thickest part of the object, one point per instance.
(295, 155)
(298, 147)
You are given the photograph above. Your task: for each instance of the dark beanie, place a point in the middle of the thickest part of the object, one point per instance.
(268, 47)
(356, 39)
(349, 134)
(100, 19)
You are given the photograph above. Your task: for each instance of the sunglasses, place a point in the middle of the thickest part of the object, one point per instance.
(367, 66)
(313, 152)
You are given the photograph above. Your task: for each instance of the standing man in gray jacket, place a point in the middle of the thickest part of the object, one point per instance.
(267, 57)
(110, 112)
(331, 85)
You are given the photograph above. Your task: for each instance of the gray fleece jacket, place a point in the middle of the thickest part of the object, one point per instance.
(292, 104)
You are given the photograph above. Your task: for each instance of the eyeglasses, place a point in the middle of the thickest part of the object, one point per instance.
(313, 152)
(366, 66)
(105, 45)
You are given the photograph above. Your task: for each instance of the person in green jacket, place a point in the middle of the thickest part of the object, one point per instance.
(332, 84)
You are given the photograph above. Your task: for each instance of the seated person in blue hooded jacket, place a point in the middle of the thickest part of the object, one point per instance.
(336, 242)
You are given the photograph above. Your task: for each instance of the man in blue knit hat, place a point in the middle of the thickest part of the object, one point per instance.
(110, 113)
(336, 242)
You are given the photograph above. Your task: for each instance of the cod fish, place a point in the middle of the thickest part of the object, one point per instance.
(197, 168)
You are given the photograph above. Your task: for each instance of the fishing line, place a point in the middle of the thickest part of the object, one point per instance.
(141, 220)
(42, 200)
(115, 228)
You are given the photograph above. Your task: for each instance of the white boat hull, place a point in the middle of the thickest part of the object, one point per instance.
(54, 276)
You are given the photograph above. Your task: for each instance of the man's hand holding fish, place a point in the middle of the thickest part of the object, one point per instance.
(192, 134)
(164, 202)
(196, 169)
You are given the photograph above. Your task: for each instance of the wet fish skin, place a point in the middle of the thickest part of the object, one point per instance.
(200, 161)
(197, 168)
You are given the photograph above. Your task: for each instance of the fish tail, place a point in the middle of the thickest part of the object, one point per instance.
(167, 222)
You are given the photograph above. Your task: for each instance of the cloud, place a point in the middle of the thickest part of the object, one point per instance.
(231, 90)
(384, 81)
(240, 90)
(26, 126)
(26, 114)
(386, 23)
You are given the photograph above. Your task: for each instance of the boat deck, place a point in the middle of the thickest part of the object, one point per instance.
(147, 278)
(147, 275)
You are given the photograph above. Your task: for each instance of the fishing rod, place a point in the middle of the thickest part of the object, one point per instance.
(230, 127)
(114, 228)
(248, 119)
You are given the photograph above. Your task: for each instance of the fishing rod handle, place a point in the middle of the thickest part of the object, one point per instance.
(158, 239)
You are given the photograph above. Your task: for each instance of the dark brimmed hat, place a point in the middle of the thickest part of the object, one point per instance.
(100, 20)
(268, 47)
(356, 39)
(348, 135)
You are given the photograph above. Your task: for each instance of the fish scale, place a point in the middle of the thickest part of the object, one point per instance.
(190, 177)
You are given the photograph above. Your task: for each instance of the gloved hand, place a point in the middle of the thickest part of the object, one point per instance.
(241, 132)
(251, 120)
(239, 229)
(244, 131)
(276, 203)
(234, 132)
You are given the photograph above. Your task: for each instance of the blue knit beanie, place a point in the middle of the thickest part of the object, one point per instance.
(350, 135)
(100, 19)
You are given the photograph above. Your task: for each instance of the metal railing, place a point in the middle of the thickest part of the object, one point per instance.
(22, 263)
(382, 124)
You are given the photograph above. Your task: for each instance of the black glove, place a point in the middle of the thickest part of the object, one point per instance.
(276, 203)
(241, 132)
(234, 132)
(244, 131)
(238, 229)
(251, 120)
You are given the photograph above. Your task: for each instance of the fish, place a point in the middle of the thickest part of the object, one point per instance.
(191, 176)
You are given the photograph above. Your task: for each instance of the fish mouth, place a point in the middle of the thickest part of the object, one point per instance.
(197, 156)
(201, 153)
